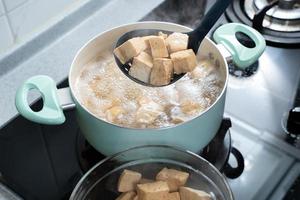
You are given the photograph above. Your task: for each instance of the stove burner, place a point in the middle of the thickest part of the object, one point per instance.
(248, 71)
(278, 21)
(216, 152)
(282, 16)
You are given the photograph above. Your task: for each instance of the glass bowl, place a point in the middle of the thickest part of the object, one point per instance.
(100, 182)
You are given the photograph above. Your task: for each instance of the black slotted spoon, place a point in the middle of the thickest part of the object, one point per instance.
(195, 37)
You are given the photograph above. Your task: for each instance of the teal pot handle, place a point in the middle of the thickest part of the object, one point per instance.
(51, 112)
(247, 51)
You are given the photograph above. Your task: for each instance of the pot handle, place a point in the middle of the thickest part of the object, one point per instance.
(244, 43)
(51, 112)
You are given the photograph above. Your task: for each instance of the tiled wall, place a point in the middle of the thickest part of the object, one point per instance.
(20, 19)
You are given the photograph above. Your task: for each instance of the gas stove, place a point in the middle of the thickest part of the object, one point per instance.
(45, 162)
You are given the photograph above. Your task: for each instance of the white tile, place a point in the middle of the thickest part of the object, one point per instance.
(11, 4)
(2, 11)
(35, 14)
(6, 39)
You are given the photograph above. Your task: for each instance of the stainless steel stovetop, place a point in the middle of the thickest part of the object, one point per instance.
(256, 106)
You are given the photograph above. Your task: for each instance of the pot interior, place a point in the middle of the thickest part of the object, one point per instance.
(106, 42)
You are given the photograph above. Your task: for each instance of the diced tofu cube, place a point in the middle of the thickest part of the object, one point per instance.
(127, 196)
(190, 107)
(146, 39)
(173, 196)
(177, 42)
(141, 67)
(173, 177)
(162, 34)
(145, 180)
(158, 47)
(148, 112)
(148, 51)
(136, 197)
(184, 61)
(158, 190)
(114, 112)
(187, 193)
(129, 49)
(162, 71)
(128, 180)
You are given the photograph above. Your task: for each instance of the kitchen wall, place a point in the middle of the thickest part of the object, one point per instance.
(21, 20)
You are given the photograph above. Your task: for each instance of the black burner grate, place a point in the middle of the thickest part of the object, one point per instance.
(236, 13)
(248, 71)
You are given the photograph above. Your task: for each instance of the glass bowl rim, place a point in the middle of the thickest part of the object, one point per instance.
(82, 179)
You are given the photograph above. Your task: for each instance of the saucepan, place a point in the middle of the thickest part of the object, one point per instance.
(109, 138)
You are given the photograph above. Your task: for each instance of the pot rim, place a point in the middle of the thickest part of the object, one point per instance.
(148, 129)
(89, 172)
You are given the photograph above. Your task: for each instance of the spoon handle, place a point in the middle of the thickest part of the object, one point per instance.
(198, 34)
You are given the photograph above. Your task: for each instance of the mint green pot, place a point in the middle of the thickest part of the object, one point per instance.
(108, 138)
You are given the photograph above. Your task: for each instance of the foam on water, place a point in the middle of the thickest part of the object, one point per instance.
(105, 91)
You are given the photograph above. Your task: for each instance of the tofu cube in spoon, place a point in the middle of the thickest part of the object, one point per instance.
(141, 67)
(146, 39)
(177, 42)
(129, 49)
(162, 34)
(173, 196)
(158, 47)
(162, 71)
(184, 61)
(136, 197)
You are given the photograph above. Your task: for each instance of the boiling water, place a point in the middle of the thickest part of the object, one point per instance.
(106, 187)
(106, 92)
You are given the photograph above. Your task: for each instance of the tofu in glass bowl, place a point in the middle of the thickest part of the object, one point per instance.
(153, 172)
